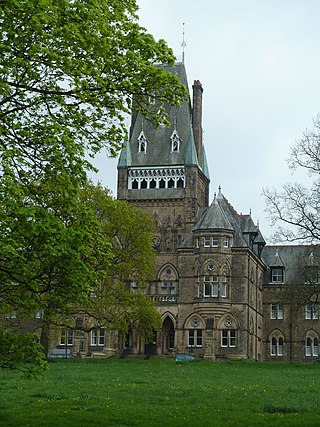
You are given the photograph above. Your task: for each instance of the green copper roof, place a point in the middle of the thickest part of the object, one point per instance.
(205, 168)
(125, 157)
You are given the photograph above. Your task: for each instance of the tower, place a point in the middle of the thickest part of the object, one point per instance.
(208, 272)
(165, 171)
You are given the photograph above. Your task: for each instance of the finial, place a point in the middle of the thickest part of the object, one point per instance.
(183, 43)
(250, 212)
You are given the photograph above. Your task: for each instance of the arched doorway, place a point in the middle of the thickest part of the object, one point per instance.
(168, 335)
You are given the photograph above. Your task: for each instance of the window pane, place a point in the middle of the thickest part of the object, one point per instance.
(215, 289)
(94, 337)
(232, 338)
(273, 311)
(277, 275)
(206, 287)
(224, 338)
(207, 242)
(280, 347)
(101, 337)
(215, 241)
(308, 311)
(199, 337)
(280, 311)
(191, 338)
(224, 290)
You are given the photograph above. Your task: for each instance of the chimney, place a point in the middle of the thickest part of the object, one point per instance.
(197, 118)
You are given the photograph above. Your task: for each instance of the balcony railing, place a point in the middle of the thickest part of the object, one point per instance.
(163, 298)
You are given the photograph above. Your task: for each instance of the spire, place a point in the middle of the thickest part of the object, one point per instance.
(183, 43)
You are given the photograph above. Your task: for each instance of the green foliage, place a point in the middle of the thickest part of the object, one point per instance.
(128, 229)
(68, 72)
(160, 392)
(21, 352)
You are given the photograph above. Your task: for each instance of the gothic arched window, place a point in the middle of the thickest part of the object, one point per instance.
(142, 140)
(175, 142)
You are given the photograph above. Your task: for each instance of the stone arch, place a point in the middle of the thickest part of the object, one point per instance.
(210, 265)
(169, 279)
(194, 320)
(311, 343)
(168, 332)
(228, 321)
(171, 316)
(168, 271)
(276, 342)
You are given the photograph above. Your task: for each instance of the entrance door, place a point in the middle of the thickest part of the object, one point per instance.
(168, 335)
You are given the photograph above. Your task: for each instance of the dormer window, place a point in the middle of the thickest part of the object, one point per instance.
(175, 142)
(142, 140)
(276, 274)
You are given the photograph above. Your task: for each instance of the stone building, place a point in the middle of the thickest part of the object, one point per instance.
(208, 277)
(220, 290)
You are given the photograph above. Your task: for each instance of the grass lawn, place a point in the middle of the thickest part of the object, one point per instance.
(88, 392)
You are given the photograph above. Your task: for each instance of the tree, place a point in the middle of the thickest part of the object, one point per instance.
(79, 268)
(296, 208)
(68, 71)
(111, 303)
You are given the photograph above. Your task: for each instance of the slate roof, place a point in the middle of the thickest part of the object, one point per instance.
(159, 144)
(158, 151)
(292, 258)
(214, 218)
(221, 216)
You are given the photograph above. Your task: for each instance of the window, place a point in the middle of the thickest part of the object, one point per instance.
(134, 287)
(224, 285)
(206, 242)
(276, 311)
(38, 314)
(168, 288)
(312, 311)
(142, 140)
(195, 338)
(225, 241)
(215, 241)
(175, 141)
(12, 315)
(206, 286)
(214, 285)
(276, 346)
(98, 337)
(66, 337)
(197, 243)
(210, 286)
(312, 347)
(228, 338)
(277, 275)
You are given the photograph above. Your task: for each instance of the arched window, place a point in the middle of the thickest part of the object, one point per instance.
(175, 142)
(142, 140)
(276, 346)
(169, 281)
(312, 346)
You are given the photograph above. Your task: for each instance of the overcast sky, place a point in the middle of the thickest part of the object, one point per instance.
(259, 64)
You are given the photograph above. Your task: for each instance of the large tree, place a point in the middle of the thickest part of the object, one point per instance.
(68, 72)
(296, 208)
